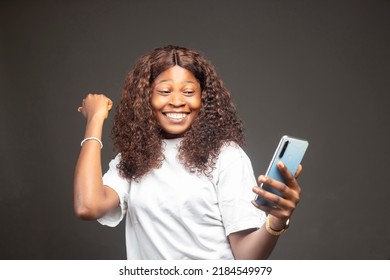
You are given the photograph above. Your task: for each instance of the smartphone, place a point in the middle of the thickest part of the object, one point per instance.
(290, 151)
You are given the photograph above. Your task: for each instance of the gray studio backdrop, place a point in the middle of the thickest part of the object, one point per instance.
(312, 69)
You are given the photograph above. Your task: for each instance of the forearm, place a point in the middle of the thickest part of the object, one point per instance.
(256, 245)
(88, 185)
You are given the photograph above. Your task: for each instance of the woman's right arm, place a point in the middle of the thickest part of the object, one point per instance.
(92, 199)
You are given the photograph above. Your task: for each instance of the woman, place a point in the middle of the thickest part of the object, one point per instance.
(180, 177)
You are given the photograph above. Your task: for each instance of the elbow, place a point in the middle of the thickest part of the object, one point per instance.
(85, 208)
(86, 213)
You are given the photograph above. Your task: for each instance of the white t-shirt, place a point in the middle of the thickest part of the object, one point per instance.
(175, 214)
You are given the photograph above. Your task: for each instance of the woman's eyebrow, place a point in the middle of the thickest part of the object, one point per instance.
(185, 81)
(162, 81)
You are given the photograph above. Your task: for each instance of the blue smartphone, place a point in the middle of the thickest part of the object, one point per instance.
(290, 151)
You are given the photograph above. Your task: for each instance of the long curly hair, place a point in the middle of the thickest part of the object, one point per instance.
(137, 135)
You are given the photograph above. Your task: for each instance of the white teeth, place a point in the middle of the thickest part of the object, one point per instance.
(176, 116)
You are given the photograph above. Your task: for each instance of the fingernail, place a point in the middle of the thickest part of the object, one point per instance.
(254, 203)
(262, 178)
(281, 164)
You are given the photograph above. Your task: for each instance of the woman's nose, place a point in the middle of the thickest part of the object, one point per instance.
(176, 99)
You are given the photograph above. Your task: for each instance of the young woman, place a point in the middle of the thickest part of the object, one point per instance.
(180, 176)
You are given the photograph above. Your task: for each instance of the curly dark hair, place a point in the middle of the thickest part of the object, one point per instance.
(137, 135)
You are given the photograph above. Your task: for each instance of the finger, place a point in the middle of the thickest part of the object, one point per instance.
(290, 180)
(290, 195)
(278, 206)
(109, 105)
(280, 187)
(273, 210)
(299, 170)
(266, 208)
(275, 201)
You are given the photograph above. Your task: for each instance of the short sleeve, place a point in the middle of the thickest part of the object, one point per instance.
(234, 187)
(121, 186)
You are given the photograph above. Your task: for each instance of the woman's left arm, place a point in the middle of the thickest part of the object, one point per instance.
(258, 244)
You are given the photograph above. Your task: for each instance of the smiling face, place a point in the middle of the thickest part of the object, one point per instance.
(176, 100)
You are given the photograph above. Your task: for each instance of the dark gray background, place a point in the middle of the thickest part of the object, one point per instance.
(312, 69)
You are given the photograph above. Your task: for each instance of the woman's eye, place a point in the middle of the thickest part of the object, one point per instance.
(163, 92)
(189, 92)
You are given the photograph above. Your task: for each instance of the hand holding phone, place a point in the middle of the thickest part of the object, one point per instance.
(290, 151)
